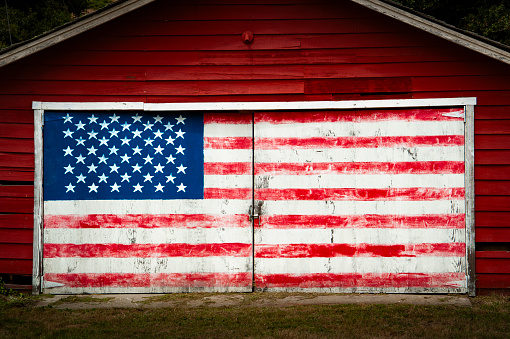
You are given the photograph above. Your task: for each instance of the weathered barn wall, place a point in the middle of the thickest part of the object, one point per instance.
(302, 50)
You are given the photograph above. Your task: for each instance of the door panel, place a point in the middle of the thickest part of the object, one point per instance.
(360, 201)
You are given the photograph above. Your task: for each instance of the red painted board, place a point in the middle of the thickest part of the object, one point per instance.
(20, 221)
(488, 203)
(484, 280)
(16, 251)
(16, 145)
(16, 205)
(15, 116)
(492, 112)
(492, 265)
(16, 130)
(16, 160)
(487, 98)
(492, 219)
(492, 127)
(16, 236)
(24, 101)
(239, 98)
(366, 40)
(492, 142)
(16, 174)
(17, 191)
(461, 83)
(492, 172)
(492, 234)
(493, 254)
(487, 187)
(492, 157)
(15, 266)
(358, 85)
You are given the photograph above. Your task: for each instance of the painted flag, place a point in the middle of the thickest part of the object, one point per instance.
(360, 201)
(133, 202)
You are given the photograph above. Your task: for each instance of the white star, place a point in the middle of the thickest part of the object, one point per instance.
(68, 118)
(79, 125)
(80, 141)
(115, 187)
(138, 187)
(170, 140)
(113, 150)
(158, 119)
(114, 133)
(81, 178)
(169, 126)
(92, 168)
(93, 187)
(170, 159)
(104, 124)
(159, 187)
(180, 120)
(181, 169)
(148, 159)
(70, 187)
(137, 150)
(180, 149)
(92, 134)
(159, 150)
(148, 125)
(115, 118)
(181, 187)
(102, 178)
(137, 133)
(148, 177)
(125, 126)
(69, 169)
(170, 178)
(68, 151)
(102, 159)
(158, 134)
(114, 168)
(103, 141)
(125, 177)
(137, 118)
(92, 150)
(81, 159)
(136, 168)
(159, 168)
(148, 141)
(180, 134)
(125, 158)
(125, 141)
(68, 133)
(92, 119)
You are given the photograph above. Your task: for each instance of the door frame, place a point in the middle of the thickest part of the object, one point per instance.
(467, 103)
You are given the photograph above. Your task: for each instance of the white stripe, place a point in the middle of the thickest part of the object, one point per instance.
(227, 155)
(358, 236)
(414, 290)
(310, 207)
(184, 206)
(393, 154)
(227, 130)
(358, 181)
(155, 289)
(228, 181)
(148, 265)
(359, 265)
(129, 236)
(358, 129)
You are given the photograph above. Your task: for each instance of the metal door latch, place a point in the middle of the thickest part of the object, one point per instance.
(254, 216)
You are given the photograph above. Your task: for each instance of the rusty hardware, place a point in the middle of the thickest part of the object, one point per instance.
(247, 37)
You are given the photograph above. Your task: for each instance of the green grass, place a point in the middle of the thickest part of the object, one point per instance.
(488, 318)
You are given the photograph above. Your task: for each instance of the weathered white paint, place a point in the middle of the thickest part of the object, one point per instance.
(155, 289)
(412, 290)
(359, 265)
(38, 203)
(88, 106)
(358, 236)
(227, 130)
(470, 198)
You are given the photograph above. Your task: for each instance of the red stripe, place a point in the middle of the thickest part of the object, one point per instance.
(360, 142)
(346, 280)
(228, 193)
(362, 194)
(150, 279)
(227, 118)
(359, 250)
(441, 221)
(145, 221)
(146, 250)
(226, 168)
(413, 167)
(228, 143)
(356, 116)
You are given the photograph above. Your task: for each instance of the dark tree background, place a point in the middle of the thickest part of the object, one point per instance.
(29, 18)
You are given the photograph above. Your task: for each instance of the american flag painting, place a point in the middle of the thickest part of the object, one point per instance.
(360, 201)
(348, 201)
(135, 202)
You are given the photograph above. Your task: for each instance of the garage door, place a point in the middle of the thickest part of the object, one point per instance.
(360, 201)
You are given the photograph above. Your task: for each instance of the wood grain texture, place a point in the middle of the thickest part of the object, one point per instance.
(492, 234)
(16, 266)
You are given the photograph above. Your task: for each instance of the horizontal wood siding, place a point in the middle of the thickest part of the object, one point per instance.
(302, 50)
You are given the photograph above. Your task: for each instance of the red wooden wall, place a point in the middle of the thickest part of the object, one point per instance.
(303, 50)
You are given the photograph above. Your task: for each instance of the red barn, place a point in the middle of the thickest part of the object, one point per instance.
(343, 146)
